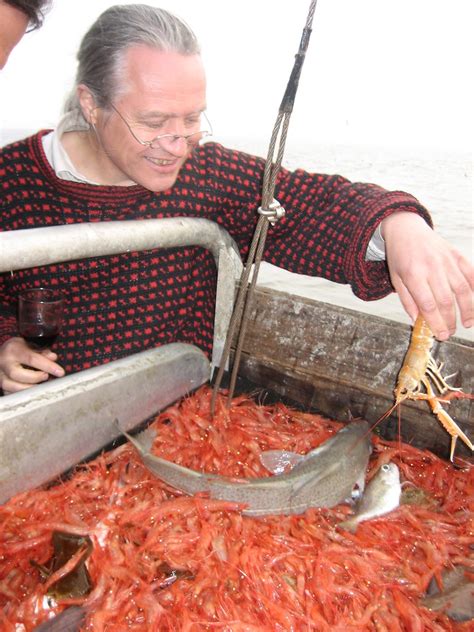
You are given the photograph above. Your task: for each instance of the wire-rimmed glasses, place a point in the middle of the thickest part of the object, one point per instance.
(190, 139)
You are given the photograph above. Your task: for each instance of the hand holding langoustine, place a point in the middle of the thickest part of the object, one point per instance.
(431, 277)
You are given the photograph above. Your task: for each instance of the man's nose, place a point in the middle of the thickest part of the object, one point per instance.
(175, 144)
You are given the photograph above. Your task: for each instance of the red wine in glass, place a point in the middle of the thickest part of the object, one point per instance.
(40, 312)
(40, 337)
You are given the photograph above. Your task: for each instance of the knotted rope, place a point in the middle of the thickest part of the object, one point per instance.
(270, 212)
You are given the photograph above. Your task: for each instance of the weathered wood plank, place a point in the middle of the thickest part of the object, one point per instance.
(342, 362)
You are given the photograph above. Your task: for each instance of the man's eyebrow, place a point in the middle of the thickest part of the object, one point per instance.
(146, 116)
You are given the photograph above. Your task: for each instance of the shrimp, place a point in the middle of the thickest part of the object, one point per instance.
(162, 561)
(421, 369)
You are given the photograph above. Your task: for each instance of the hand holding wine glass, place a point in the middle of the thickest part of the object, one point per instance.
(40, 312)
(27, 361)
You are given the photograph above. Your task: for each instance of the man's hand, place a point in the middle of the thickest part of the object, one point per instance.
(16, 356)
(429, 275)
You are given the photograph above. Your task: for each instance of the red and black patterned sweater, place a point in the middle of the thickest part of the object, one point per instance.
(119, 305)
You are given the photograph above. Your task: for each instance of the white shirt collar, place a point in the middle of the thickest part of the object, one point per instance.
(56, 154)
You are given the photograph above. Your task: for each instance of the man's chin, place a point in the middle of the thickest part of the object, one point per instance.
(157, 185)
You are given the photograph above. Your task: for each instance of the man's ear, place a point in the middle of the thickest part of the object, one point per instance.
(87, 103)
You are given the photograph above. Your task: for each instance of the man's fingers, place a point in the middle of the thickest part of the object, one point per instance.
(21, 367)
(463, 287)
(25, 375)
(47, 353)
(449, 288)
(41, 362)
(11, 386)
(444, 311)
(421, 300)
(406, 299)
(434, 293)
(426, 271)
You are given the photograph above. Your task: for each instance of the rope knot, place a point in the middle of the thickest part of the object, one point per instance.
(273, 212)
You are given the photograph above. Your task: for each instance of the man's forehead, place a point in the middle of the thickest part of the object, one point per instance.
(143, 60)
(163, 78)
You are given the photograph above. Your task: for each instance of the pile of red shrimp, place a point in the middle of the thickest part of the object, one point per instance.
(232, 572)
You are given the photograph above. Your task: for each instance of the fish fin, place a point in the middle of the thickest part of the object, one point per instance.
(280, 461)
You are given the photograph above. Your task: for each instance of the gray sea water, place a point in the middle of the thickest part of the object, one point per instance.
(441, 179)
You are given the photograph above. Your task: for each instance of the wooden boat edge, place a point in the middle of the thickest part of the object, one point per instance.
(343, 363)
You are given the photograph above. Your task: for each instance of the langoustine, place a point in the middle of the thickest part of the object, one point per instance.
(420, 369)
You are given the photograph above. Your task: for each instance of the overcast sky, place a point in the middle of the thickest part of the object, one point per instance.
(387, 72)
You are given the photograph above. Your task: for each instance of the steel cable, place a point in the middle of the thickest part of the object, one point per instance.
(269, 213)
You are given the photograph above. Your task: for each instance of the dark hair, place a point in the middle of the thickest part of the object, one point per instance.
(34, 9)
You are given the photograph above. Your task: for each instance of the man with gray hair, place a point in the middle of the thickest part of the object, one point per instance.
(128, 148)
(15, 18)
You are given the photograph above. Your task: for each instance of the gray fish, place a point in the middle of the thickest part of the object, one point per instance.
(69, 620)
(324, 477)
(381, 496)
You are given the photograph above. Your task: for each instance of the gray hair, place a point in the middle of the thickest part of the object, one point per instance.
(103, 48)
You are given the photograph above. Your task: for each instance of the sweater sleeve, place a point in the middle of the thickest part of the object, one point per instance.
(8, 327)
(328, 224)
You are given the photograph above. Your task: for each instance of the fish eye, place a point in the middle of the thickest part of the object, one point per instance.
(385, 467)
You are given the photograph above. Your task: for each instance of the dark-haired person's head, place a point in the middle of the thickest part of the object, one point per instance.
(17, 17)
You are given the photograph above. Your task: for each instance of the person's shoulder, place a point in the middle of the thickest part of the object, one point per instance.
(23, 144)
(214, 151)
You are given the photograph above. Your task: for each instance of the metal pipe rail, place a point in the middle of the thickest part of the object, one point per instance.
(22, 249)
(49, 428)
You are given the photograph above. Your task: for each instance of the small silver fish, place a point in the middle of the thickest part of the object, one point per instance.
(324, 477)
(381, 496)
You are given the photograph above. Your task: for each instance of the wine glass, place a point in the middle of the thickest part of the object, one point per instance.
(40, 312)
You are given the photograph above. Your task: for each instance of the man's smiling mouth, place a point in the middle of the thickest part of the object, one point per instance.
(161, 162)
